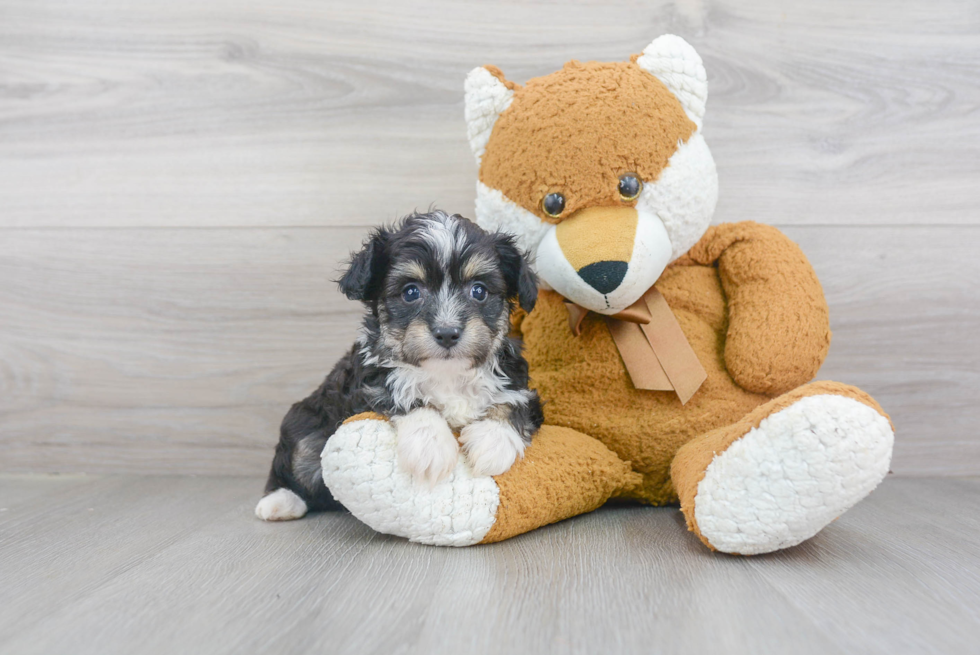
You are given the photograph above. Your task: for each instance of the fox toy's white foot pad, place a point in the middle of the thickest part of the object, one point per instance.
(360, 467)
(799, 470)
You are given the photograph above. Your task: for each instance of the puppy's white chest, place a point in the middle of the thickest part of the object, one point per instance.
(459, 395)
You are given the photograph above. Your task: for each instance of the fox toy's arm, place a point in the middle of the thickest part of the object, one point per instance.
(779, 325)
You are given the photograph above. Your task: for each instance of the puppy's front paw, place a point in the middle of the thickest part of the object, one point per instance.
(426, 446)
(491, 446)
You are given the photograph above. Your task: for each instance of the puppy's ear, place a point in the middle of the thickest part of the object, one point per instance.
(362, 280)
(521, 281)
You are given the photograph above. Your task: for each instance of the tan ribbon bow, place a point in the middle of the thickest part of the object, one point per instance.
(657, 355)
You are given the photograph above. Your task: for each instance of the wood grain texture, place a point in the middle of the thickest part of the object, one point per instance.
(191, 570)
(191, 113)
(60, 546)
(170, 351)
(903, 307)
(164, 350)
(177, 181)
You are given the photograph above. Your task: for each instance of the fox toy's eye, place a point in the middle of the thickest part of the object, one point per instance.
(478, 292)
(553, 204)
(411, 293)
(629, 187)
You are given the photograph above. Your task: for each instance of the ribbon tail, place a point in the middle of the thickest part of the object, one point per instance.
(654, 349)
(641, 361)
(680, 362)
(576, 315)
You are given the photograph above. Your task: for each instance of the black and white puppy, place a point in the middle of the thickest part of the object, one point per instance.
(433, 355)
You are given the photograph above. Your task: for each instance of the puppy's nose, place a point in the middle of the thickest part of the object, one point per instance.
(447, 336)
(604, 277)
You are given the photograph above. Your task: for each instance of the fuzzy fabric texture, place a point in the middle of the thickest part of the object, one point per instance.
(490, 96)
(674, 62)
(685, 195)
(360, 467)
(587, 387)
(575, 473)
(564, 473)
(760, 458)
(785, 470)
(575, 133)
(536, 145)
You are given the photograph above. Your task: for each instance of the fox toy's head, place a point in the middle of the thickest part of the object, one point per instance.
(599, 169)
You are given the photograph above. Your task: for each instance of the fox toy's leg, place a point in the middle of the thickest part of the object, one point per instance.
(563, 473)
(782, 473)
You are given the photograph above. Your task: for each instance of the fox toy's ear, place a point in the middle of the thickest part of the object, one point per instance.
(487, 95)
(521, 281)
(365, 273)
(674, 62)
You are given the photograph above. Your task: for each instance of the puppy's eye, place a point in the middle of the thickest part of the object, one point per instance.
(478, 292)
(629, 187)
(553, 204)
(411, 293)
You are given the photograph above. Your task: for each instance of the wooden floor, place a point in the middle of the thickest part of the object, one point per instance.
(125, 564)
(180, 181)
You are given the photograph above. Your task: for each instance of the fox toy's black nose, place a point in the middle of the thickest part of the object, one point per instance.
(604, 277)
(447, 336)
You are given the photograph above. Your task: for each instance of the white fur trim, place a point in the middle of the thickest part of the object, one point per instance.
(800, 469)
(281, 505)
(673, 61)
(426, 446)
(361, 471)
(491, 446)
(685, 194)
(486, 98)
(496, 212)
(651, 254)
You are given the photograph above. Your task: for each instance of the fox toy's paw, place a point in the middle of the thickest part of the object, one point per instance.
(361, 468)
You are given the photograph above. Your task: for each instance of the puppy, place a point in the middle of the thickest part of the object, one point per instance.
(433, 356)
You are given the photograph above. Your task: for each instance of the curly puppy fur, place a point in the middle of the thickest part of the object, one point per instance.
(433, 348)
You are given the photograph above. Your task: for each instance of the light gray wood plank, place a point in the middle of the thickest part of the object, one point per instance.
(180, 350)
(64, 544)
(891, 568)
(162, 350)
(903, 306)
(891, 576)
(297, 113)
(28, 489)
(244, 586)
(624, 580)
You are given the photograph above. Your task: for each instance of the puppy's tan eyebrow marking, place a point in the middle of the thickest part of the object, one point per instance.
(478, 265)
(411, 269)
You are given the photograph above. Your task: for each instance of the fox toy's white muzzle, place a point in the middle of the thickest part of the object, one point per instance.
(604, 258)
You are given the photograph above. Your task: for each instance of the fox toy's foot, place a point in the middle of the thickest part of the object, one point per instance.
(563, 473)
(361, 469)
(780, 475)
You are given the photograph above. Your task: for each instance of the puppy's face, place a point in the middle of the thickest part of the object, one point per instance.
(441, 288)
(443, 307)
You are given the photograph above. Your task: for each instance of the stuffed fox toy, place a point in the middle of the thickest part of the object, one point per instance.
(675, 358)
